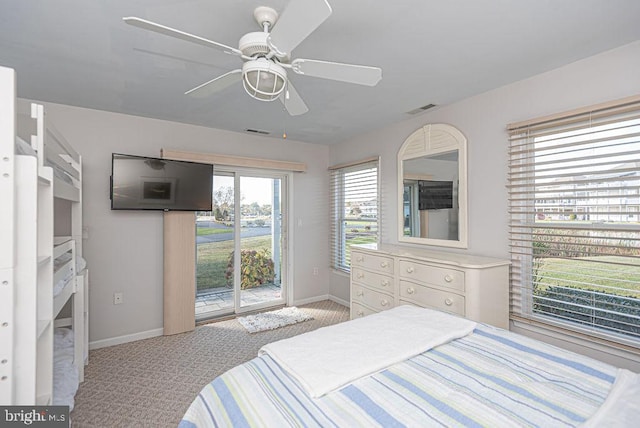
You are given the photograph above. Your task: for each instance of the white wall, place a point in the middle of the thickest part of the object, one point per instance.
(124, 248)
(483, 119)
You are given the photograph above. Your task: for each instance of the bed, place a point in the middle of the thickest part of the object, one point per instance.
(373, 371)
(48, 342)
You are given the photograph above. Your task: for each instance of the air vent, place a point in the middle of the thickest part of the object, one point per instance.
(258, 131)
(421, 109)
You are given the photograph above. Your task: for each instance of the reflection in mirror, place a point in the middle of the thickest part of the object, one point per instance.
(432, 187)
(430, 200)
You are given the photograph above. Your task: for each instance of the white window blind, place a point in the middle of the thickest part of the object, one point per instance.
(355, 208)
(574, 200)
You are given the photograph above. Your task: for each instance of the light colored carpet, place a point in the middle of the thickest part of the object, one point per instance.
(274, 319)
(151, 382)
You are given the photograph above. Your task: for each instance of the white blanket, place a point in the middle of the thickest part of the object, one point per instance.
(331, 357)
(622, 406)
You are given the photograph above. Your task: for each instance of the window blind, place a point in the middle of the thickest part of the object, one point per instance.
(574, 204)
(354, 209)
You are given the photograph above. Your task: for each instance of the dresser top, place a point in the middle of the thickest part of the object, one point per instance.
(453, 259)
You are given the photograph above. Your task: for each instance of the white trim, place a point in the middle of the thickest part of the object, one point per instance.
(308, 300)
(234, 161)
(355, 163)
(119, 340)
(339, 301)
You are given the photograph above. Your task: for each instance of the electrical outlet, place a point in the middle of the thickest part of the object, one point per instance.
(118, 298)
(315, 271)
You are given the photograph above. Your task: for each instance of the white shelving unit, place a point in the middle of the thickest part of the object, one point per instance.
(29, 257)
(7, 231)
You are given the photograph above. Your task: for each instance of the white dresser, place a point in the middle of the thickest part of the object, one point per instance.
(384, 276)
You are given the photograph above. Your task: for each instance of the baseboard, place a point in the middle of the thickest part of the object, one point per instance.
(97, 344)
(310, 300)
(339, 301)
(319, 299)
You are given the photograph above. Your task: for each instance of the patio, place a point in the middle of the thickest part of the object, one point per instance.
(215, 299)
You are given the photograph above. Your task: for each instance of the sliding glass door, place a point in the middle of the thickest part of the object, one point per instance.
(240, 255)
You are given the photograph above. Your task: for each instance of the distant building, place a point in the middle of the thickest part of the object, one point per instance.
(613, 197)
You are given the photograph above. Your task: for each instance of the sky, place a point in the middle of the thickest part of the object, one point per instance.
(254, 189)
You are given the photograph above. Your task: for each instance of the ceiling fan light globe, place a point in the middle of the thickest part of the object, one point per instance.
(263, 80)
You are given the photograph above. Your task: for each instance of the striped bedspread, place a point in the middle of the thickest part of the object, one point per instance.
(490, 378)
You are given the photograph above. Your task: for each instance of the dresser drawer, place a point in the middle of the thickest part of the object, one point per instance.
(372, 279)
(374, 299)
(377, 263)
(429, 274)
(359, 311)
(432, 298)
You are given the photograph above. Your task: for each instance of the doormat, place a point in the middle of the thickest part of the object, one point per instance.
(274, 319)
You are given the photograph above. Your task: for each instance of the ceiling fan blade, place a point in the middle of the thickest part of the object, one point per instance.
(175, 57)
(298, 20)
(292, 101)
(217, 84)
(359, 74)
(167, 31)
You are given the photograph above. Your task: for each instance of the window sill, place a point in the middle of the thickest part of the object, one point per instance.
(341, 273)
(610, 352)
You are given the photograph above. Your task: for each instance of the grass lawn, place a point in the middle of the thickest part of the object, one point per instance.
(200, 231)
(213, 257)
(591, 274)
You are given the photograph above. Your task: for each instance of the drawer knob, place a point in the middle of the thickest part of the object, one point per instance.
(360, 313)
(411, 290)
(384, 264)
(360, 275)
(410, 269)
(448, 278)
(385, 283)
(384, 302)
(448, 301)
(360, 293)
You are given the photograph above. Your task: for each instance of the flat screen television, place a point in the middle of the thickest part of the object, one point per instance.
(144, 183)
(435, 195)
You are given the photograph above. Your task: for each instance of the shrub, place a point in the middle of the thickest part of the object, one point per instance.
(257, 268)
(606, 310)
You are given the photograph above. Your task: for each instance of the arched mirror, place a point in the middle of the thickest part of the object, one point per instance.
(432, 187)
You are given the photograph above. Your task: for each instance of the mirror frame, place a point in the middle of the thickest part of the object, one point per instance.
(428, 140)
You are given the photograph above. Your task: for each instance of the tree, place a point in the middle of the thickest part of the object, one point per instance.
(223, 199)
(217, 214)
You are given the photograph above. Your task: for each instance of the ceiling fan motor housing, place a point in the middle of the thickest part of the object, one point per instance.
(254, 44)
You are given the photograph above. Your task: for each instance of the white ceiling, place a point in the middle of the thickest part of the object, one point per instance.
(80, 53)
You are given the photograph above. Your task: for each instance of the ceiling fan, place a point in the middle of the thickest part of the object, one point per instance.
(267, 55)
